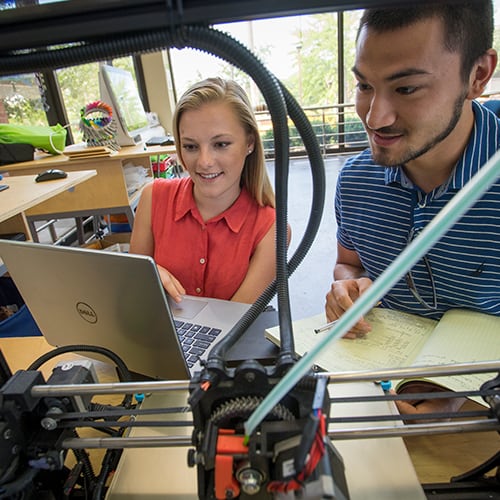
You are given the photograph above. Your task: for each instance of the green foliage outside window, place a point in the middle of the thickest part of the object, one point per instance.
(20, 101)
(314, 82)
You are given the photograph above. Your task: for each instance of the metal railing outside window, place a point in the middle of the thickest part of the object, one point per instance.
(337, 128)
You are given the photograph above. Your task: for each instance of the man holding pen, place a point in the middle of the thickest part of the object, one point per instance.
(420, 70)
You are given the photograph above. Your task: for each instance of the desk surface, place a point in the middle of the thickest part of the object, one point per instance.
(107, 193)
(62, 161)
(376, 468)
(382, 461)
(24, 192)
(20, 352)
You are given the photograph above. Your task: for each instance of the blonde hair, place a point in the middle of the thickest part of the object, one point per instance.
(254, 176)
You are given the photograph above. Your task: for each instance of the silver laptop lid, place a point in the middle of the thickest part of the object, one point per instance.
(94, 297)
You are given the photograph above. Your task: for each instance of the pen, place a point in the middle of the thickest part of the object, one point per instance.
(325, 327)
(329, 325)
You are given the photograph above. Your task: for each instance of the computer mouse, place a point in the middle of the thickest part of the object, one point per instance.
(51, 174)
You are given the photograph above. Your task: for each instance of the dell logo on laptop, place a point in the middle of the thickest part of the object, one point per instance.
(86, 312)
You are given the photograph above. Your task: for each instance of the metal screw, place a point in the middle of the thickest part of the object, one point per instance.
(192, 457)
(250, 480)
(50, 423)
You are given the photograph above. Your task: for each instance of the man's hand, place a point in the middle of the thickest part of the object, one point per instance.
(419, 406)
(171, 284)
(341, 297)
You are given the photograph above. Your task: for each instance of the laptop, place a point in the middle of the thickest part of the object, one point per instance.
(116, 300)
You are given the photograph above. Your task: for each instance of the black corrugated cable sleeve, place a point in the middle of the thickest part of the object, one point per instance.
(222, 45)
(123, 371)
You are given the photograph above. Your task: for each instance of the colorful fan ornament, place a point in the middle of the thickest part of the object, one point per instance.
(98, 126)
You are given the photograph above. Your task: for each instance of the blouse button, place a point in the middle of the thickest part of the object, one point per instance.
(202, 261)
(198, 290)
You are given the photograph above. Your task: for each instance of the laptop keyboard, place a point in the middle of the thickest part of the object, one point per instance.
(195, 339)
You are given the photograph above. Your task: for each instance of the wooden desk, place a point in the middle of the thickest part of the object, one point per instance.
(439, 458)
(106, 194)
(20, 352)
(378, 469)
(165, 469)
(24, 193)
(436, 458)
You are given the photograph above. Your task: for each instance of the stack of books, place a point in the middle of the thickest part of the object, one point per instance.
(84, 152)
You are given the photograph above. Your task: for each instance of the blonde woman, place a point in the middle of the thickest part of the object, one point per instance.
(212, 233)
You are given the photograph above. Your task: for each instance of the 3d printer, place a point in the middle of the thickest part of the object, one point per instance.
(285, 452)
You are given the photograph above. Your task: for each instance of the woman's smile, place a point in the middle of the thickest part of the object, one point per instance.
(209, 176)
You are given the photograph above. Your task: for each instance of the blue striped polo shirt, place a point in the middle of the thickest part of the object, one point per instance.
(376, 207)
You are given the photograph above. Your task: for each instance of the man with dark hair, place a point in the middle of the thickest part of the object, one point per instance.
(419, 71)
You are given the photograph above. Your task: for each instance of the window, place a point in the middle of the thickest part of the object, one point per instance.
(20, 100)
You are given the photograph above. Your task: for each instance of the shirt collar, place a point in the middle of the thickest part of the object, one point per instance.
(483, 143)
(184, 202)
(234, 216)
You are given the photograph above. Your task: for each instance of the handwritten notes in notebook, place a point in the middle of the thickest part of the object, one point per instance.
(399, 339)
(462, 336)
